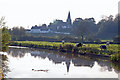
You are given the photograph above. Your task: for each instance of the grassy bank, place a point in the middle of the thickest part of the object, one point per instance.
(89, 49)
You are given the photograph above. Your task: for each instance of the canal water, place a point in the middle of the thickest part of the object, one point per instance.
(31, 63)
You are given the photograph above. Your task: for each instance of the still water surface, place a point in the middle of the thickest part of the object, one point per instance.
(29, 63)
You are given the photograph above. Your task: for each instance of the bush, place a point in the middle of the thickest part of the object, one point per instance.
(68, 47)
(116, 39)
(75, 49)
(115, 57)
(98, 40)
(61, 49)
(116, 66)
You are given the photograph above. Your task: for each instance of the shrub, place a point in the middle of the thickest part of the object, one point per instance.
(117, 39)
(61, 49)
(116, 66)
(75, 49)
(115, 57)
(98, 40)
(68, 47)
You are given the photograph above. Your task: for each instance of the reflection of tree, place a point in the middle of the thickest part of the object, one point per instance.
(83, 62)
(58, 58)
(116, 66)
(105, 65)
(77, 61)
(14, 52)
(55, 58)
(40, 54)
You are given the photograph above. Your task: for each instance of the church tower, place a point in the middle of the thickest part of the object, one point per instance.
(69, 20)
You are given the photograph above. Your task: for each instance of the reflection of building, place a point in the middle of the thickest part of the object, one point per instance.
(59, 58)
(53, 57)
(39, 54)
(56, 58)
(68, 65)
(83, 62)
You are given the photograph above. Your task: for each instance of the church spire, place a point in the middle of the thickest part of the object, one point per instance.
(69, 15)
(69, 19)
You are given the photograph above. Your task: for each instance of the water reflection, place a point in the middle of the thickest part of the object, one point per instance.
(116, 66)
(59, 58)
(55, 58)
(15, 52)
(105, 65)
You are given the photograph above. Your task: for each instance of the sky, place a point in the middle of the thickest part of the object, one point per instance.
(28, 13)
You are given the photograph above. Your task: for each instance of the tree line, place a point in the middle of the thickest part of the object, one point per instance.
(106, 28)
(82, 30)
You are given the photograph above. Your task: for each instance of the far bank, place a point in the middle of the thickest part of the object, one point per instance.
(112, 52)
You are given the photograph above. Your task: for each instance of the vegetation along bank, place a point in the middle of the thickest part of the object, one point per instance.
(112, 51)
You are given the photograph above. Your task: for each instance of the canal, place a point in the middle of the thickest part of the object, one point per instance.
(39, 63)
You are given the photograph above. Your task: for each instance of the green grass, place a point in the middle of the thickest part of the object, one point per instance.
(43, 43)
(113, 48)
(106, 40)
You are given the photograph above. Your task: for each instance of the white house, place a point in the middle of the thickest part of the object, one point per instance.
(39, 29)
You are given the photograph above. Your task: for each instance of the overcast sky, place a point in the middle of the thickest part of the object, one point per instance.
(34, 12)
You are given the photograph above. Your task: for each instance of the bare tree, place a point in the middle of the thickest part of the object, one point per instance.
(2, 23)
